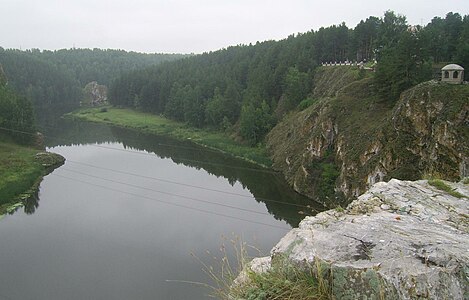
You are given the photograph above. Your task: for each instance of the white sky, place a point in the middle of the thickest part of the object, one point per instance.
(185, 26)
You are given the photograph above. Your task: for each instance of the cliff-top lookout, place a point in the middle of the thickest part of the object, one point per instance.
(452, 73)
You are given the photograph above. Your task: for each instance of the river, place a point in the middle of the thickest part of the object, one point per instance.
(130, 215)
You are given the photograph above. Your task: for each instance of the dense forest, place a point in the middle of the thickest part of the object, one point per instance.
(246, 89)
(16, 114)
(55, 79)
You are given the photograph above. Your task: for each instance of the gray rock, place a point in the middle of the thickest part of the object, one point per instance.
(95, 94)
(258, 265)
(418, 247)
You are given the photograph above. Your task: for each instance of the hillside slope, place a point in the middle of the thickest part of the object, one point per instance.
(350, 138)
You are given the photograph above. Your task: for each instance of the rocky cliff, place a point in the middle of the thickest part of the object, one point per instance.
(350, 139)
(399, 240)
(95, 94)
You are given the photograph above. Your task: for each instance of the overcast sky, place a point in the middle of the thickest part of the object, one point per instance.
(185, 26)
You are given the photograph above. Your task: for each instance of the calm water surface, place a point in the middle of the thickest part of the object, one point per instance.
(121, 218)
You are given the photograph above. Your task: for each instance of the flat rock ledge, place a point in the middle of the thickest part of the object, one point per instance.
(399, 240)
(50, 160)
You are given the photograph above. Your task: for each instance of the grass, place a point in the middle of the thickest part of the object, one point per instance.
(153, 124)
(306, 103)
(441, 185)
(19, 171)
(282, 281)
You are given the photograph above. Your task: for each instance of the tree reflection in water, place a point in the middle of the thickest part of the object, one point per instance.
(265, 185)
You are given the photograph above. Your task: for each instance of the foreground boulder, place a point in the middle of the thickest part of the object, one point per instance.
(399, 240)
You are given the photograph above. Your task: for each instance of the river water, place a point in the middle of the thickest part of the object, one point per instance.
(130, 215)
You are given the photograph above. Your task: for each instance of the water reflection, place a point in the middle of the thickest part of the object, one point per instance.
(70, 133)
(266, 186)
(32, 203)
(102, 234)
(29, 204)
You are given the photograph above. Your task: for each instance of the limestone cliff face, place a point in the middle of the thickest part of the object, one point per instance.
(367, 140)
(95, 94)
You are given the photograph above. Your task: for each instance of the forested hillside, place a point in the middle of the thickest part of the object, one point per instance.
(247, 89)
(101, 65)
(45, 84)
(16, 114)
(55, 79)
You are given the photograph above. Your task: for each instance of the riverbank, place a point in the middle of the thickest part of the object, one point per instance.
(153, 124)
(21, 170)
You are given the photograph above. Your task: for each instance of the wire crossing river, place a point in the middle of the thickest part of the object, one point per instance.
(121, 218)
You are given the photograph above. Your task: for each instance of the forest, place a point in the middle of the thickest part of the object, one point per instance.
(16, 114)
(55, 79)
(246, 89)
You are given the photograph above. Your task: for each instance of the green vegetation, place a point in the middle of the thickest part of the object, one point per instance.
(441, 185)
(241, 93)
(402, 64)
(233, 278)
(54, 80)
(284, 282)
(45, 85)
(306, 103)
(339, 209)
(20, 167)
(19, 172)
(343, 102)
(101, 65)
(350, 119)
(227, 88)
(150, 123)
(16, 115)
(326, 173)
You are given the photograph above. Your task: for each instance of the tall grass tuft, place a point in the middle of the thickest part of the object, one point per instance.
(283, 280)
(224, 268)
(286, 281)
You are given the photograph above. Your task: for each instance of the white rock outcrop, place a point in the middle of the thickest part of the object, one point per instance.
(399, 240)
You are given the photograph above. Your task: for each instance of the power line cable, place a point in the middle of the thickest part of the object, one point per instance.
(200, 148)
(165, 180)
(166, 193)
(148, 153)
(186, 184)
(170, 203)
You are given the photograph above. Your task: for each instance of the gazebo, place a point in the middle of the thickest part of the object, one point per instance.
(452, 73)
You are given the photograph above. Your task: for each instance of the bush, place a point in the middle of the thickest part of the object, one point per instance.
(306, 103)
